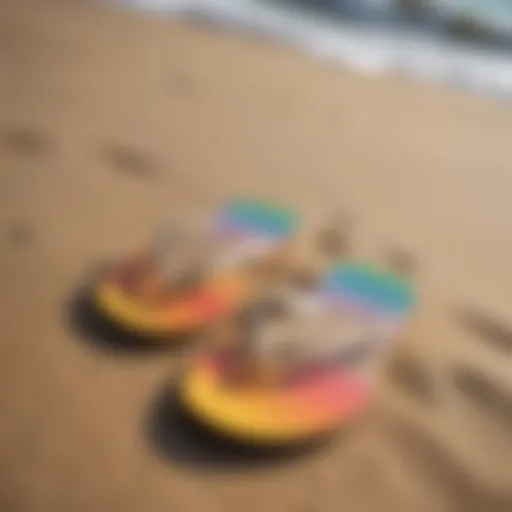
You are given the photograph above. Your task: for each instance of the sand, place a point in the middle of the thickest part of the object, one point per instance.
(110, 123)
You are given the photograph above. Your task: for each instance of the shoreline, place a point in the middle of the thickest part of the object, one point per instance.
(363, 48)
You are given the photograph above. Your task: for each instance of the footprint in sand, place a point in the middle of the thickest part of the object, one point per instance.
(448, 474)
(496, 334)
(129, 161)
(25, 140)
(412, 378)
(485, 394)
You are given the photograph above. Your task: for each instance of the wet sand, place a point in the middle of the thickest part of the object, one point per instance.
(109, 123)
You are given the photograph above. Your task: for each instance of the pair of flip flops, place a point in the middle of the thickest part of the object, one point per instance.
(189, 280)
(296, 362)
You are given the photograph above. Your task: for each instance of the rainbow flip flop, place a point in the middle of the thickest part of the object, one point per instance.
(323, 395)
(253, 227)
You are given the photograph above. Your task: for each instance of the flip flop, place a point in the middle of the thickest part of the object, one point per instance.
(188, 280)
(311, 392)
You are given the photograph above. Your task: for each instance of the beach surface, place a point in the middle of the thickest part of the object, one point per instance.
(111, 122)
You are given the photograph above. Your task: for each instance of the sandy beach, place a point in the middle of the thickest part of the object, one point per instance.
(109, 122)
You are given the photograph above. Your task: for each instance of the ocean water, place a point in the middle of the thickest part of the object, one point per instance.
(495, 13)
(372, 37)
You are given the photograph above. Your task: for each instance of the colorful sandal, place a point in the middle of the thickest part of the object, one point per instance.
(189, 280)
(306, 364)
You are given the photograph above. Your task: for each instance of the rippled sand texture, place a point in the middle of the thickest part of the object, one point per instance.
(108, 123)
